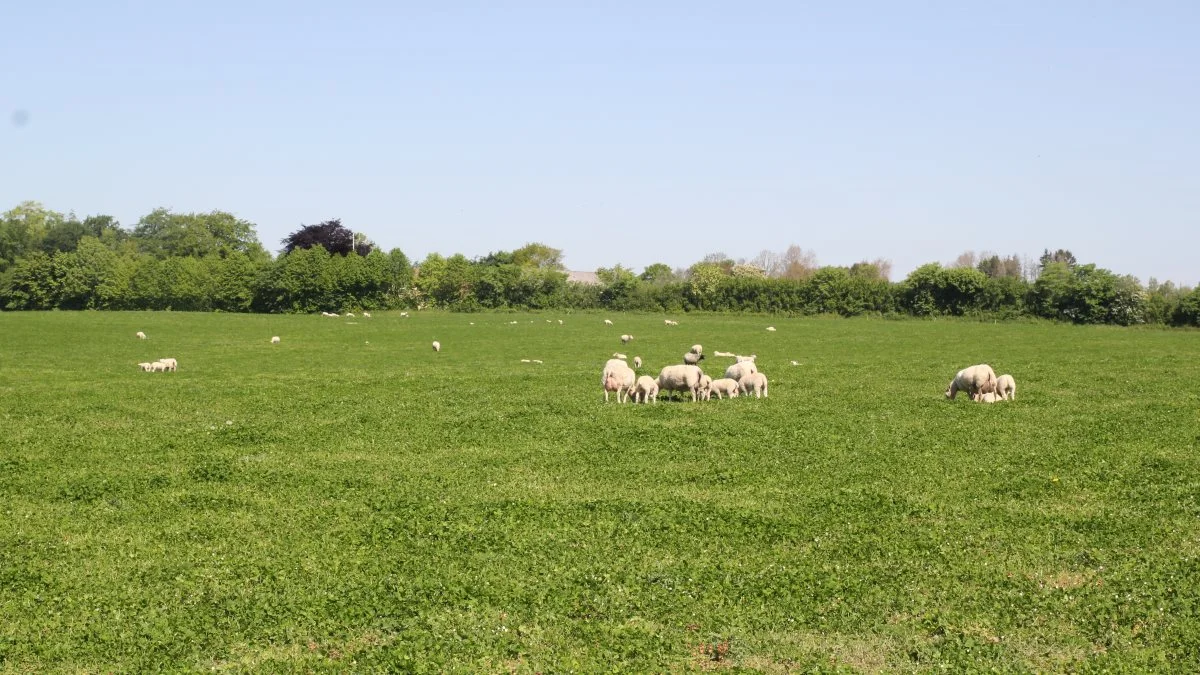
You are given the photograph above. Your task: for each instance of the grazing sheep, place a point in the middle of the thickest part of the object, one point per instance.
(681, 378)
(526, 361)
(350, 314)
(619, 355)
(404, 314)
(741, 369)
(692, 359)
(771, 328)
(145, 367)
(171, 364)
(537, 360)
(158, 367)
(645, 388)
(637, 362)
(795, 363)
(437, 346)
(705, 387)
(1006, 386)
(724, 387)
(560, 322)
(744, 359)
(619, 377)
(625, 339)
(973, 380)
(607, 322)
(275, 340)
(753, 382)
(141, 335)
(366, 315)
(988, 397)
(721, 353)
(697, 349)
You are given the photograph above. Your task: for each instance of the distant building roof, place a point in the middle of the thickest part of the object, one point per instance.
(589, 278)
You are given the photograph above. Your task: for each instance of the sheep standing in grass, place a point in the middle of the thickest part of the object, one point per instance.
(753, 382)
(741, 369)
(989, 397)
(141, 335)
(705, 387)
(645, 388)
(721, 353)
(973, 380)
(694, 356)
(275, 339)
(171, 364)
(625, 339)
(617, 377)
(158, 367)
(366, 315)
(771, 328)
(1006, 386)
(404, 314)
(619, 355)
(684, 378)
(637, 362)
(724, 387)
(350, 314)
(145, 367)
(437, 346)
(607, 322)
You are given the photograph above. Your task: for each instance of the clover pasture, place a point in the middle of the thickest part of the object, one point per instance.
(347, 500)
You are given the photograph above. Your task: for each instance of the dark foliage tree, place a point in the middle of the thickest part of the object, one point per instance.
(330, 235)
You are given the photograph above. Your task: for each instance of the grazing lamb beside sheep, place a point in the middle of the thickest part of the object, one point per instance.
(988, 397)
(753, 382)
(724, 387)
(145, 367)
(625, 339)
(141, 335)
(637, 362)
(1006, 387)
(158, 367)
(683, 378)
(741, 369)
(973, 380)
(645, 388)
(171, 364)
(694, 356)
(705, 387)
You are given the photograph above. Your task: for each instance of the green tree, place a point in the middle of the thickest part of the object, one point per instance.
(23, 230)
(658, 273)
(539, 256)
(164, 234)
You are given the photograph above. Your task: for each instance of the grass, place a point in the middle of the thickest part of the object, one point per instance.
(348, 500)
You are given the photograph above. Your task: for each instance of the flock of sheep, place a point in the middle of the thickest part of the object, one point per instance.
(981, 384)
(167, 365)
(741, 378)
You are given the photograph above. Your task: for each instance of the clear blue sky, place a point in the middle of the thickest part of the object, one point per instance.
(627, 132)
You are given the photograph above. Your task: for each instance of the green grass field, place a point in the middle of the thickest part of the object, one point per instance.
(348, 500)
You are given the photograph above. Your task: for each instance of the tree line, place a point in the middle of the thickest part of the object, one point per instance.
(215, 262)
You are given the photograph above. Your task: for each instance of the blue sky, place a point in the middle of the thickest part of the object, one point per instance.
(627, 132)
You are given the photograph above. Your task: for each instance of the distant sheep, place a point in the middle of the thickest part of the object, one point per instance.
(366, 315)
(625, 339)
(145, 367)
(141, 335)
(350, 314)
(637, 362)
(771, 328)
(404, 314)
(607, 322)
(724, 387)
(526, 361)
(560, 322)
(645, 388)
(617, 377)
(741, 369)
(720, 353)
(275, 340)
(685, 378)
(973, 380)
(171, 364)
(1006, 386)
(669, 322)
(692, 358)
(437, 346)
(158, 367)
(753, 382)
(537, 360)
(619, 355)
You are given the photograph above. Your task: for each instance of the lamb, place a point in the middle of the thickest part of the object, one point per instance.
(158, 367)
(706, 387)
(607, 322)
(625, 339)
(694, 356)
(1006, 386)
(645, 388)
(724, 387)
(669, 322)
(526, 361)
(637, 362)
(721, 353)
(141, 335)
(404, 314)
(537, 360)
(366, 315)
(275, 340)
(145, 367)
(741, 369)
(619, 377)
(973, 380)
(560, 322)
(619, 355)
(350, 314)
(437, 346)
(989, 397)
(681, 378)
(753, 382)
(771, 328)
(171, 364)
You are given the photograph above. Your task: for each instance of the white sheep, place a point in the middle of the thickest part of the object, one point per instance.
(705, 387)
(721, 353)
(645, 388)
(637, 362)
(625, 339)
(437, 346)
(1006, 386)
(158, 367)
(171, 364)
(366, 315)
(753, 382)
(692, 359)
(617, 377)
(697, 349)
(404, 314)
(619, 355)
(560, 322)
(681, 378)
(145, 367)
(988, 397)
(275, 339)
(537, 360)
(350, 314)
(526, 361)
(740, 369)
(724, 387)
(744, 359)
(141, 335)
(607, 322)
(973, 380)
(771, 328)
(795, 363)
